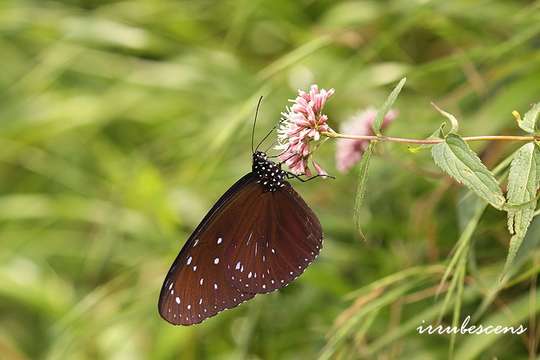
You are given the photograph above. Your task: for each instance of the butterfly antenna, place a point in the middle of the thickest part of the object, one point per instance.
(265, 137)
(254, 123)
(281, 153)
(271, 145)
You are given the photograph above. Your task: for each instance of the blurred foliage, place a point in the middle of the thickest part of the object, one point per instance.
(122, 121)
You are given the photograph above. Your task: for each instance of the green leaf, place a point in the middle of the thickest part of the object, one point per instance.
(377, 123)
(456, 158)
(361, 188)
(523, 180)
(513, 247)
(528, 123)
(451, 118)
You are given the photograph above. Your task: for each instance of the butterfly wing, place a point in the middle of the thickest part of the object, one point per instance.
(196, 286)
(284, 237)
(252, 241)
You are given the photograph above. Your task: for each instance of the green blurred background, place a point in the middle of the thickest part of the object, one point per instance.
(121, 122)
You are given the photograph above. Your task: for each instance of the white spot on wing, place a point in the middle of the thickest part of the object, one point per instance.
(216, 261)
(219, 241)
(189, 260)
(177, 300)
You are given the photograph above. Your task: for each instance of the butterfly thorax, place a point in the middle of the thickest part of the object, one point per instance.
(267, 172)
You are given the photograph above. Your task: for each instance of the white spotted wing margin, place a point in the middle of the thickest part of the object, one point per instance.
(262, 239)
(196, 287)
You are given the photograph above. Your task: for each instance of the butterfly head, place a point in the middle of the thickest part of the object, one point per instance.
(268, 173)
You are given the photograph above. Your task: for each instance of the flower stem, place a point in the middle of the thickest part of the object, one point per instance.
(428, 141)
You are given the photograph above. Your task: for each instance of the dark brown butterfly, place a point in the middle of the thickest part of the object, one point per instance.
(257, 238)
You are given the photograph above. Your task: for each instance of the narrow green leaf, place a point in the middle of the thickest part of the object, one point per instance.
(460, 254)
(361, 188)
(474, 346)
(377, 123)
(427, 315)
(528, 123)
(460, 279)
(524, 253)
(352, 323)
(523, 181)
(456, 158)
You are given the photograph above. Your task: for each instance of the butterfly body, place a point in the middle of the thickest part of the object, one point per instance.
(267, 172)
(258, 237)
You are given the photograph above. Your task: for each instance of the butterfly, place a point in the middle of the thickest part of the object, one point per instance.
(257, 238)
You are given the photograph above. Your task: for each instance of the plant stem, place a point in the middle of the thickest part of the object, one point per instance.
(429, 141)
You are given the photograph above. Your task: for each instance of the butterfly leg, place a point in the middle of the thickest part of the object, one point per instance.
(290, 175)
(281, 153)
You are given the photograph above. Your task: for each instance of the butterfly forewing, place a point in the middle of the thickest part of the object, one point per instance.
(284, 237)
(196, 286)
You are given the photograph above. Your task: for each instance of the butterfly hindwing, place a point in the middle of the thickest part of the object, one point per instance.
(284, 237)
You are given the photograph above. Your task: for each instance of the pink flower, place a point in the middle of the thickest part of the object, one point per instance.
(349, 151)
(300, 125)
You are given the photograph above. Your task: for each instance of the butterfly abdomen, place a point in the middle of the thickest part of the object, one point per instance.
(268, 173)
